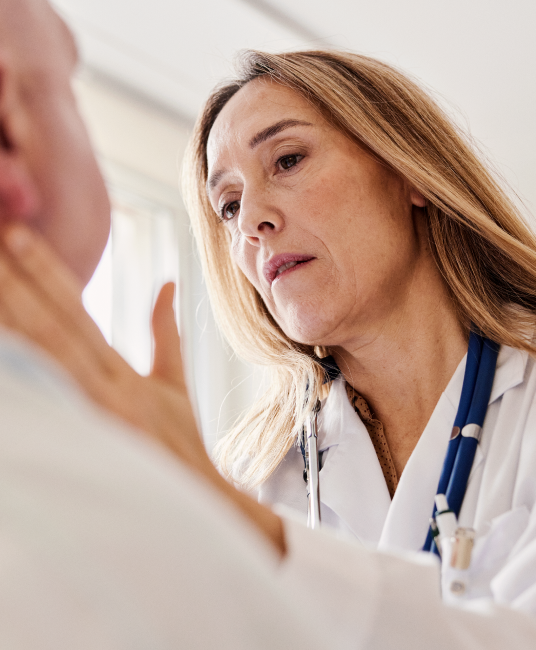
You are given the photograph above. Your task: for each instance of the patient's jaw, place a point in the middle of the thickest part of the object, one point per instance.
(48, 174)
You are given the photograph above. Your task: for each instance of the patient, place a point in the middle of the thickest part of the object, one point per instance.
(105, 540)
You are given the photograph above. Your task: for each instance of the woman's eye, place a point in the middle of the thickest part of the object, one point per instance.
(286, 162)
(229, 210)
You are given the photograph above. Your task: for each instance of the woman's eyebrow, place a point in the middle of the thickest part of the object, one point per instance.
(256, 140)
(214, 180)
(274, 129)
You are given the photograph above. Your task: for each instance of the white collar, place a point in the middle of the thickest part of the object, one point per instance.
(511, 364)
(336, 408)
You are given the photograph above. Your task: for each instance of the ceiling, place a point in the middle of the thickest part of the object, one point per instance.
(478, 55)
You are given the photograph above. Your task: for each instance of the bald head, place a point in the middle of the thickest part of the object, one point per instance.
(48, 174)
(33, 35)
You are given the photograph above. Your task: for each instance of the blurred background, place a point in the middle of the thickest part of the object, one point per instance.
(147, 66)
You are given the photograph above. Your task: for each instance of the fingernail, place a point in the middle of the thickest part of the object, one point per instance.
(17, 240)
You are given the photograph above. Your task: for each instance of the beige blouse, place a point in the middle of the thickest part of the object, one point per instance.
(377, 435)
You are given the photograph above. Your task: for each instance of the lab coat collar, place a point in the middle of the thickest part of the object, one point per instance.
(333, 410)
(352, 482)
(511, 364)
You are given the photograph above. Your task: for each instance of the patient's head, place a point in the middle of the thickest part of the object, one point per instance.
(48, 174)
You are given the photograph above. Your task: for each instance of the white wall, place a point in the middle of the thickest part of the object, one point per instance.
(479, 55)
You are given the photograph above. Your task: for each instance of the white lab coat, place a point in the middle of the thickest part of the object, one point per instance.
(499, 503)
(108, 543)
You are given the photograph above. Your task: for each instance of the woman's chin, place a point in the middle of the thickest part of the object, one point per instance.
(309, 333)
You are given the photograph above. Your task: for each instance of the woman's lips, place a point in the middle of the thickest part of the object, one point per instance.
(296, 266)
(284, 264)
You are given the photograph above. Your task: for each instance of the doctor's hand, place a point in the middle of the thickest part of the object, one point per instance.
(41, 299)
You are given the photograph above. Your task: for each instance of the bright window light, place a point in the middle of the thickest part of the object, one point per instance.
(98, 294)
(141, 254)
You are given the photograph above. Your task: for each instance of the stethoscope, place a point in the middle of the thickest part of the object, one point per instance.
(309, 449)
(476, 391)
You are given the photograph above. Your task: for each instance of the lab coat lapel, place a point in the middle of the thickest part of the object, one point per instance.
(511, 364)
(476, 511)
(352, 482)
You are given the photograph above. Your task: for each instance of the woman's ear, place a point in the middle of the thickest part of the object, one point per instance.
(417, 199)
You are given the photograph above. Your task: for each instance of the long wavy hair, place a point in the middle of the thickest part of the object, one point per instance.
(481, 243)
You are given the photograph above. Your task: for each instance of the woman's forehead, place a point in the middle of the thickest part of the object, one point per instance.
(255, 107)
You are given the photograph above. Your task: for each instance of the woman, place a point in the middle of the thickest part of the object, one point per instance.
(402, 238)
(338, 211)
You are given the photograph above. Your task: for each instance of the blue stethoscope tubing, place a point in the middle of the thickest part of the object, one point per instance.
(477, 384)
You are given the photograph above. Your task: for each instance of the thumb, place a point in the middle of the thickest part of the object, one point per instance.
(167, 362)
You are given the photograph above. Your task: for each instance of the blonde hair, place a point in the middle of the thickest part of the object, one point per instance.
(484, 249)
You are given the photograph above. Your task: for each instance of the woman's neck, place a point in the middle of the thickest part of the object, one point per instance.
(402, 369)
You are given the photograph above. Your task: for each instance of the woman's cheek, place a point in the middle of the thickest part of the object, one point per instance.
(244, 259)
(236, 251)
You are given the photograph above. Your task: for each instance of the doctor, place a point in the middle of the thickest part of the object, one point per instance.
(346, 215)
(364, 226)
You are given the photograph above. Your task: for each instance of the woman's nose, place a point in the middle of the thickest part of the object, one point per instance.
(259, 217)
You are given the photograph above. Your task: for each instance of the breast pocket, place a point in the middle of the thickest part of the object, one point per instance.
(489, 574)
(515, 583)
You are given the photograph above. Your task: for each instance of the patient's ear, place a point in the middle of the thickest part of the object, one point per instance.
(19, 197)
(18, 193)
